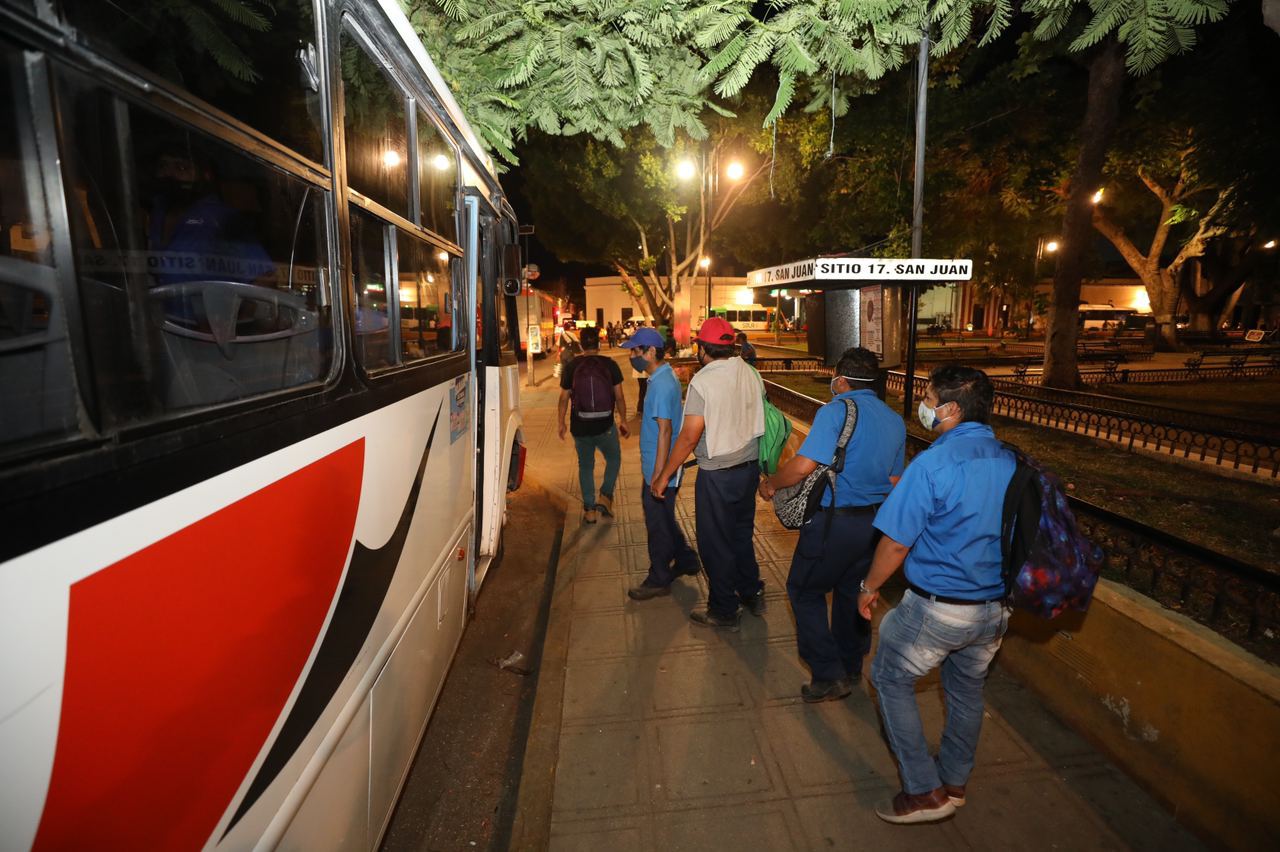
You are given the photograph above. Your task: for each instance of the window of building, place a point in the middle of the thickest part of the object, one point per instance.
(375, 128)
(255, 61)
(437, 180)
(202, 270)
(38, 395)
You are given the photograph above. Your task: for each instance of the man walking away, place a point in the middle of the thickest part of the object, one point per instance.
(593, 384)
(723, 421)
(669, 553)
(943, 519)
(835, 546)
(748, 352)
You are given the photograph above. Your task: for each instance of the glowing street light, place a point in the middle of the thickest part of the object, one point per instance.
(441, 162)
(1051, 246)
(391, 158)
(735, 170)
(1269, 244)
(1097, 196)
(705, 263)
(686, 170)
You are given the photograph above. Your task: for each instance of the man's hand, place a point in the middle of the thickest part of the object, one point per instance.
(623, 430)
(563, 430)
(659, 487)
(866, 600)
(766, 489)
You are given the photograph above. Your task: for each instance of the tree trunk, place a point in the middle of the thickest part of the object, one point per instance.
(1106, 84)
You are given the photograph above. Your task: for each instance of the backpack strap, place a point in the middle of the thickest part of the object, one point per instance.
(1023, 476)
(837, 460)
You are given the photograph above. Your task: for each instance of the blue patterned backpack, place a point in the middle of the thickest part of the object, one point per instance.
(1048, 565)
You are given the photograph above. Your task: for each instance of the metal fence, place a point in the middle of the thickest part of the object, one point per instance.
(1238, 600)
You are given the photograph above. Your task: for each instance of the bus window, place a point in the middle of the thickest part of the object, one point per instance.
(375, 129)
(437, 180)
(423, 290)
(37, 392)
(369, 279)
(731, 316)
(202, 271)
(258, 64)
(759, 316)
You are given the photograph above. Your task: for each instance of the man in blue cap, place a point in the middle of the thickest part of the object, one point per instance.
(669, 553)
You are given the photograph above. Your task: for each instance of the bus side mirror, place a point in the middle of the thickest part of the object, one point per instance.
(511, 270)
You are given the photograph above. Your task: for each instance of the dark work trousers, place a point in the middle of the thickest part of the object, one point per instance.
(725, 518)
(831, 560)
(667, 544)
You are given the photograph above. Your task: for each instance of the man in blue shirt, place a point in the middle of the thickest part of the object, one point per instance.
(835, 546)
(669, 553)
(943, 521)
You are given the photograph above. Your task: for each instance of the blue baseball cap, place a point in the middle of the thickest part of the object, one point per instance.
(644, 337)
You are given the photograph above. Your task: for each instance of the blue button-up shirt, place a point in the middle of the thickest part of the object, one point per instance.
(947, 508)
(874, 454)
(661, 399)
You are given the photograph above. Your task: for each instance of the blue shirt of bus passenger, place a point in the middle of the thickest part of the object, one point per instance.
(947, 509)
(661, 399)
(874, 454)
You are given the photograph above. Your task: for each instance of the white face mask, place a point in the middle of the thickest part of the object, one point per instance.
(928, 416)
(832, 385)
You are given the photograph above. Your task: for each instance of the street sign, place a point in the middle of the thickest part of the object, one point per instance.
(863, 269)
(535, 340)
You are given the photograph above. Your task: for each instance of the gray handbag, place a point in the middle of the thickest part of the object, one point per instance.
(796, 504)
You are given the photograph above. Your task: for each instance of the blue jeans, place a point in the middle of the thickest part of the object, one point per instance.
(724, 503)
(917, 636)
(607, 444)
(668, 550)
(832, 557)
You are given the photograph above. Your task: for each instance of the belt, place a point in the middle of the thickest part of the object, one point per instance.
(946, 600)
(734, 466)
(852, 510)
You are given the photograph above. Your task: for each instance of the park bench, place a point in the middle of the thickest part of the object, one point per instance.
(1025, 369)
(1234, 361)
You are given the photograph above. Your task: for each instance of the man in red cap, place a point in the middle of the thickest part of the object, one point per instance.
(723, 422)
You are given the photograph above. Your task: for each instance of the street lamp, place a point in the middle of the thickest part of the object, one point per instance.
(1269, 244)
(1043, 247)
(1097, 196)
(686, 169)
(705, 263)
(735, 170)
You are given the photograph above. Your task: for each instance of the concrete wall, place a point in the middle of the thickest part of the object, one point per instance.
(606, 292)
(1191, 716)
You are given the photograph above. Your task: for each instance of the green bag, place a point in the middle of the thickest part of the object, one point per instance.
(777, 428)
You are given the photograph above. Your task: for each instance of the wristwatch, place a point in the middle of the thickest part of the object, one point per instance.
(862, 587)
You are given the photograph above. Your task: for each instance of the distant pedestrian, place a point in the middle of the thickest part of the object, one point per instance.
(591, 387)
(834, 550)
(748, 352)
(943, 519)
(723, 421)
(669, 554)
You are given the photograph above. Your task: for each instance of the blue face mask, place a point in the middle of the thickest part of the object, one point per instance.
(640, 364)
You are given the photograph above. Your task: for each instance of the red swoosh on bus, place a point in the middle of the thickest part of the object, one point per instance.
(181, 657)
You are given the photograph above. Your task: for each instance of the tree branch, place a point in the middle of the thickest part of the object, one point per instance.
(1116, 235)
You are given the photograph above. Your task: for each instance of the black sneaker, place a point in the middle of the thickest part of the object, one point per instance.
(826, 690)
(755, 604)
(708, 619)
(644, 591)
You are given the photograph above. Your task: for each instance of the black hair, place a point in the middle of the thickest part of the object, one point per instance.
(969, 388)
(718, 351)
(741, 337)
(858, 363)
(589, 337)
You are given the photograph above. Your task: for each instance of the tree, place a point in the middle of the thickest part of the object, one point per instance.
(633, 211)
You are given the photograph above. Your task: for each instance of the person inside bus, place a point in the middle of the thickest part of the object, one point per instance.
(192, 233)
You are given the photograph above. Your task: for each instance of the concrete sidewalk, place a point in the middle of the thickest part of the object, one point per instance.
(652, 733)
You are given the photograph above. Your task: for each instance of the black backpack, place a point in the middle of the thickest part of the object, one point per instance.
(592, 388)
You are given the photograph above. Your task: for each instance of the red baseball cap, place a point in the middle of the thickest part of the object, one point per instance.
(716, 330)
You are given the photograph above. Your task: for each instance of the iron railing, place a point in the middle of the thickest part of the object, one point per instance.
(1239, 600)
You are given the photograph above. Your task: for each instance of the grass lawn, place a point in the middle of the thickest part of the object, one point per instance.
(1229, 515)
(1247, 399)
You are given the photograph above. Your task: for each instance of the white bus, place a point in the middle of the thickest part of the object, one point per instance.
(257, 421)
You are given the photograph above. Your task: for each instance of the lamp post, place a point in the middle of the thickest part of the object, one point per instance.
(705, 263)
(1042, 247)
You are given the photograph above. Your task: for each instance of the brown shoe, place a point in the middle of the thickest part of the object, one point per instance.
(906, 809)
(955, 792)
(589, 516)
(605, 505)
